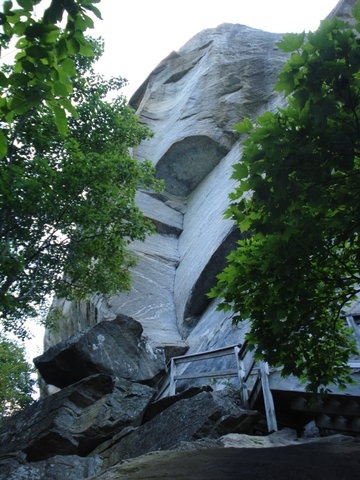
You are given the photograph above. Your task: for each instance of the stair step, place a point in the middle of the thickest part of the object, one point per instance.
(329, 406)
(339, 423)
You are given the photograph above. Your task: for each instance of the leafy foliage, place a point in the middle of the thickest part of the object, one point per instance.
(16, 382)
(298, 194)
(42, 70)
(67, 196)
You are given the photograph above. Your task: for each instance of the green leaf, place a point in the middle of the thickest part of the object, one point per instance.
(3, 145)
(95, 10)
(266, 118)
(51, 36)
(291, 42)
(61, 89)
(7, 6)
(54, 13)
(66, 103)
(22, 43)
(17, 105)
(68, 65)
(19, 28)
(88, 22)
(86, 49)
(245, 126)
(26, 4)
(60, 120)
(3, 80)
(73, 46)
(18, 79)
(36, 51)
(240, 171)
(356, 11)
(245, 224)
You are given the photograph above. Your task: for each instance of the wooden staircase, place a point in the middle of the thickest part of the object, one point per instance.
(253, 378)
(334, 413)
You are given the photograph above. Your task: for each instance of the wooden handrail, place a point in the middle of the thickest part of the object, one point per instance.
(239, 351)
(218, 352)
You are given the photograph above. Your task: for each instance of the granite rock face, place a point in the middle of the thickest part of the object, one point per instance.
(343, 10)
(191, 101)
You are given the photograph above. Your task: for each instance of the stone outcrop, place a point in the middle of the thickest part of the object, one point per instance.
(333, 459)
(116, 348)
(205, 415)
(69, 467)
(76, 419)
(100, 421)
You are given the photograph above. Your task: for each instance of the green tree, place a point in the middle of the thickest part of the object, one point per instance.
(42, 70)
(67, 200)
(298, 198)
(16, 381)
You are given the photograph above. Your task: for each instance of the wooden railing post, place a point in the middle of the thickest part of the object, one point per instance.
(244, 393)
(172, 386)
(268, 398)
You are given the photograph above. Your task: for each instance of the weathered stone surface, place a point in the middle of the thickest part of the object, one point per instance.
(76, 419)
(150, 301)
(158, 406)
(236, 66)
(343, 10)
(205, 232)
(70, 467)
(115, 347)
(232, 63)
(208, 414)
(334, 459)
(167, 220)
(191, 101)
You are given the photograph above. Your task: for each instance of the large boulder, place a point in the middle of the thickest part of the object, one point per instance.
(70, 467)
(203, 415)
(114, 347)
(333, 459)
(76, 419)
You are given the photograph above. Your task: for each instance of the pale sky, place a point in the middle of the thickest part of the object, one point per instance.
(138, 34)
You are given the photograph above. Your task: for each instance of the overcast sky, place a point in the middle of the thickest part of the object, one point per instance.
(138, 34)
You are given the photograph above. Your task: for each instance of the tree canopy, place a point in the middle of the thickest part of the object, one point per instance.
(16, 382)
(43, 68)
(67, 177)
(298, 198)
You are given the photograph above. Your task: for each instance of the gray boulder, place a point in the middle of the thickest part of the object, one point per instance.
(205, 415)
(334, 459)
(76, 419)
(69, 467)
(114, 347)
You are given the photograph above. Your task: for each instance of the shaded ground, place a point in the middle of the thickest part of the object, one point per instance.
(339, 460)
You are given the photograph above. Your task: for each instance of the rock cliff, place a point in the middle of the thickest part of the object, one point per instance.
(109, 354)
(191, 101)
